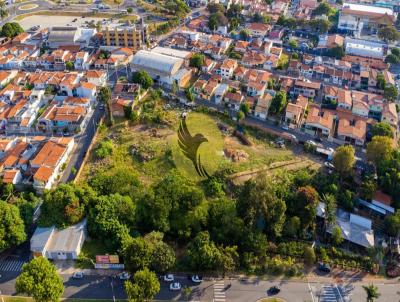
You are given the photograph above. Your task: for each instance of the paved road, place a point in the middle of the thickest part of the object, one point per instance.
(82, 143)
(104, 287)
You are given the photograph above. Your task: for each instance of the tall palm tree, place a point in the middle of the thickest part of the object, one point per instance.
(372, 292)
(330, 210)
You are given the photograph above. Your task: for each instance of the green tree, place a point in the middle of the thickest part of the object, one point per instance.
(278, 103)
(11, 29)
(245, 108)
(104, 149)
(389, 176)
(129, 10)
(382, 129)
(39, 279)
(337, 236)
(212, 22)
(344, 159)
(259, 203)
(197, 60)
(69, 66)
(309, 256)
(111, 217)
(293, 44)
(392, 59)
(190, 95)
(380, 81)
(372, 292)
(320, 26)
(379, 149)
(336, 52)
(163, 257)
(186, 292)
(202, 253)
(12, 229)
(388, 34)
(228, 259)
(144, 287)
(215, 7)
(305, 205)
(392, 224)
(137, 254)
(3, 10)
(330, 208)
(322, 9)
(292, 226)
(395, 51)
(65, 205)
(391, 93)
(368, 189)
(142, 78)
(240, 116)
(244, 34)
(104, 97)
(222, 211)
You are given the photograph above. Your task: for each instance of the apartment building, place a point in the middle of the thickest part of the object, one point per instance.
(131, 36)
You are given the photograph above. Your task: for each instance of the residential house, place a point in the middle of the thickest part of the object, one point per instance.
(319, 122)
(352, 131)
(306, 88)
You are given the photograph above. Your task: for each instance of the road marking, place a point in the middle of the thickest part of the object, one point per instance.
(11, 265)
(219, 291)
(311, 293)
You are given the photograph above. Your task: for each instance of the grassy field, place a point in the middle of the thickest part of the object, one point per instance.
(153, 150)
(90, 249)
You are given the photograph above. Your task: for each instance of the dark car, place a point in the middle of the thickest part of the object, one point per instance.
(324, 267)
(274, 290)
(318, 139)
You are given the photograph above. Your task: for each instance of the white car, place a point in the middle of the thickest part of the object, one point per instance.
(311, 142)
(285, 127)
(169, 278)
(77, 275)
(175, 286)
(196, 279)
(124, 276)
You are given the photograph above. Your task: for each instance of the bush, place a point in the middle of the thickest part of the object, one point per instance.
(104, 149)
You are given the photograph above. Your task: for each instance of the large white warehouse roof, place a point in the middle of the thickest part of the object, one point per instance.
(156, 63)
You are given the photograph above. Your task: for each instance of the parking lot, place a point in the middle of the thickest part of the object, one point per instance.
(49, 21)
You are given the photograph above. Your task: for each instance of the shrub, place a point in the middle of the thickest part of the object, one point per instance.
(104, 149)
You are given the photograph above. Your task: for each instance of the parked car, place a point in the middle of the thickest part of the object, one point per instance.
(124, 276)
(77, 275)
(274, 290)
(169, 278)
(318, 139)
(196, 279)
(175, 286)
(323, 267)
(285, 127)
(329, 165)
(311, 143)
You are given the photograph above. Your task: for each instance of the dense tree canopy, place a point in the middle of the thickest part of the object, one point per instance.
(382, 129)
(279, 103)
(144, 287)
(379, 149)
(39, 279)
(12, 229)
(143, 78)
(11, 29)
(260, 207)
(344, 159)
(197, 60)
(65, 205)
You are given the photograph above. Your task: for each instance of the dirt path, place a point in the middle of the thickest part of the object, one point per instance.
(295, 164)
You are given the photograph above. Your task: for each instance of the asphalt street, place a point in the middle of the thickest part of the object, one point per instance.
(104, 287)
(82, 143)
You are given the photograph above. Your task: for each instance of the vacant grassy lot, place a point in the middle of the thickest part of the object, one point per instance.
(153, 150)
